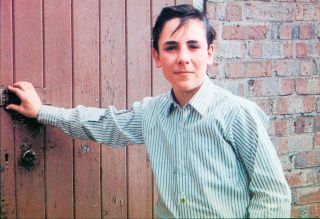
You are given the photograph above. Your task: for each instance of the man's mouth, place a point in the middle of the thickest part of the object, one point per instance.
(183, 72)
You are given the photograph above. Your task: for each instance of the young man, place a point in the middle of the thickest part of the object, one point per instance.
(209, 150)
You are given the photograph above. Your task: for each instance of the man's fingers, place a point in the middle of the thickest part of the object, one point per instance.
(17, 91)
(23, 85)
(14, 107)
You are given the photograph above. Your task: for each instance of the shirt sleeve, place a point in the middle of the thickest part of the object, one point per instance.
(270, 193)
(109, 126)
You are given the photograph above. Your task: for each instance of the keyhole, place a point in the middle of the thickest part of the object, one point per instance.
(6, 157)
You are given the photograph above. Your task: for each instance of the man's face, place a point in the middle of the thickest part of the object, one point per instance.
(184, 55)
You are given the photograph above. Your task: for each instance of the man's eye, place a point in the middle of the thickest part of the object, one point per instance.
(194, 46)
(170, 48)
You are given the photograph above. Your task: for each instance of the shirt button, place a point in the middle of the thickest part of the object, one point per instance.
(183, 201)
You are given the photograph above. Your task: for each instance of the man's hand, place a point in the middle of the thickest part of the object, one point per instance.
(30, 101)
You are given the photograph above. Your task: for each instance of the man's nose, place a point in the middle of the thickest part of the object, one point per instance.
(183, 57)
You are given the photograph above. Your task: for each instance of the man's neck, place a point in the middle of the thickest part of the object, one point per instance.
(183, 97)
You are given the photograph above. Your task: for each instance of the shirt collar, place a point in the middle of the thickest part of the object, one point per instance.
(200, 100)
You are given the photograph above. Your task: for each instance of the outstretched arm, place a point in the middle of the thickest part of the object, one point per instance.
(110, 126)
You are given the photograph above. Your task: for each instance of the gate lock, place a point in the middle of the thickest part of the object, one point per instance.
(28, 156)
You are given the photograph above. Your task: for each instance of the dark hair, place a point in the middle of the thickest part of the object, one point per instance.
(184, 12)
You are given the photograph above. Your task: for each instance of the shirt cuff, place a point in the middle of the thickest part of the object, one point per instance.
(48, 115)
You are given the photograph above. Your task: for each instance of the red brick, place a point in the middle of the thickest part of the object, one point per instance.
(264, 104)
(285, 162)
(307, 159)
(287, 50)
(306, 31)
(281, 106)
(308, 85)
(270, 87)
(300, 178)
(280, 127)
(233, 12)
(307, 67)
(241, 89)
(249, 32)
(316, 124)
(258, 69)
(308, 1)
(281, 145)
(315, 211)
(295, 212)
(309, 104)
(316, 142)
(307, 12)
(255, 49)
(266, 11)
(285, 32)
(286, 67)
(211, 10)
(302, 50)
(300, 125)
(249, 69)
(311, 197)
(235, 70)
(286, 87)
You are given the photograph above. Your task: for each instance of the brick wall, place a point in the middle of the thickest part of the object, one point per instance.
(268, 51)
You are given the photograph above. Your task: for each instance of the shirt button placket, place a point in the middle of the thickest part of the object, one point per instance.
(182, 200)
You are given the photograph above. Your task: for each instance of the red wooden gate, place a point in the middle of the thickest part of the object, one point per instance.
(93, 53)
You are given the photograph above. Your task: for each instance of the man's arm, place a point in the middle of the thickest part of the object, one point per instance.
(109, 126)
(270, 193)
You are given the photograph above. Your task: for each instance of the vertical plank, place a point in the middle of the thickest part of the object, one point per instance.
(58, 68)
(28, 44)
(139, 85)
(159, 82)
(113, 92)
(8, 200)
(86, 92)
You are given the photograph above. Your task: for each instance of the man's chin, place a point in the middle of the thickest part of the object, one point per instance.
(185, 87)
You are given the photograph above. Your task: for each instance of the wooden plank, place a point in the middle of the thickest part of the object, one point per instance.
(139, 85)
(58, 68)
(159, 82)
(7, 193)
(113, 92)
(86, 92)
(29, 67)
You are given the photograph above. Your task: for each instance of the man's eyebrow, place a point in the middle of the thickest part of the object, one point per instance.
(169, 43)
(192, 41)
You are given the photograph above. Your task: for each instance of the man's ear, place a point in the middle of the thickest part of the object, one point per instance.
(210, 54)
(156, 58)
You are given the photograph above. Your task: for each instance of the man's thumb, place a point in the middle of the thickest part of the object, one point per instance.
(13, 107)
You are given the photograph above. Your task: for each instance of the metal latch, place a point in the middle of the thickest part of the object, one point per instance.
(7, 97)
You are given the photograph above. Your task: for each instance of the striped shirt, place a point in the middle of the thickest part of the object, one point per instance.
(211, 158)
